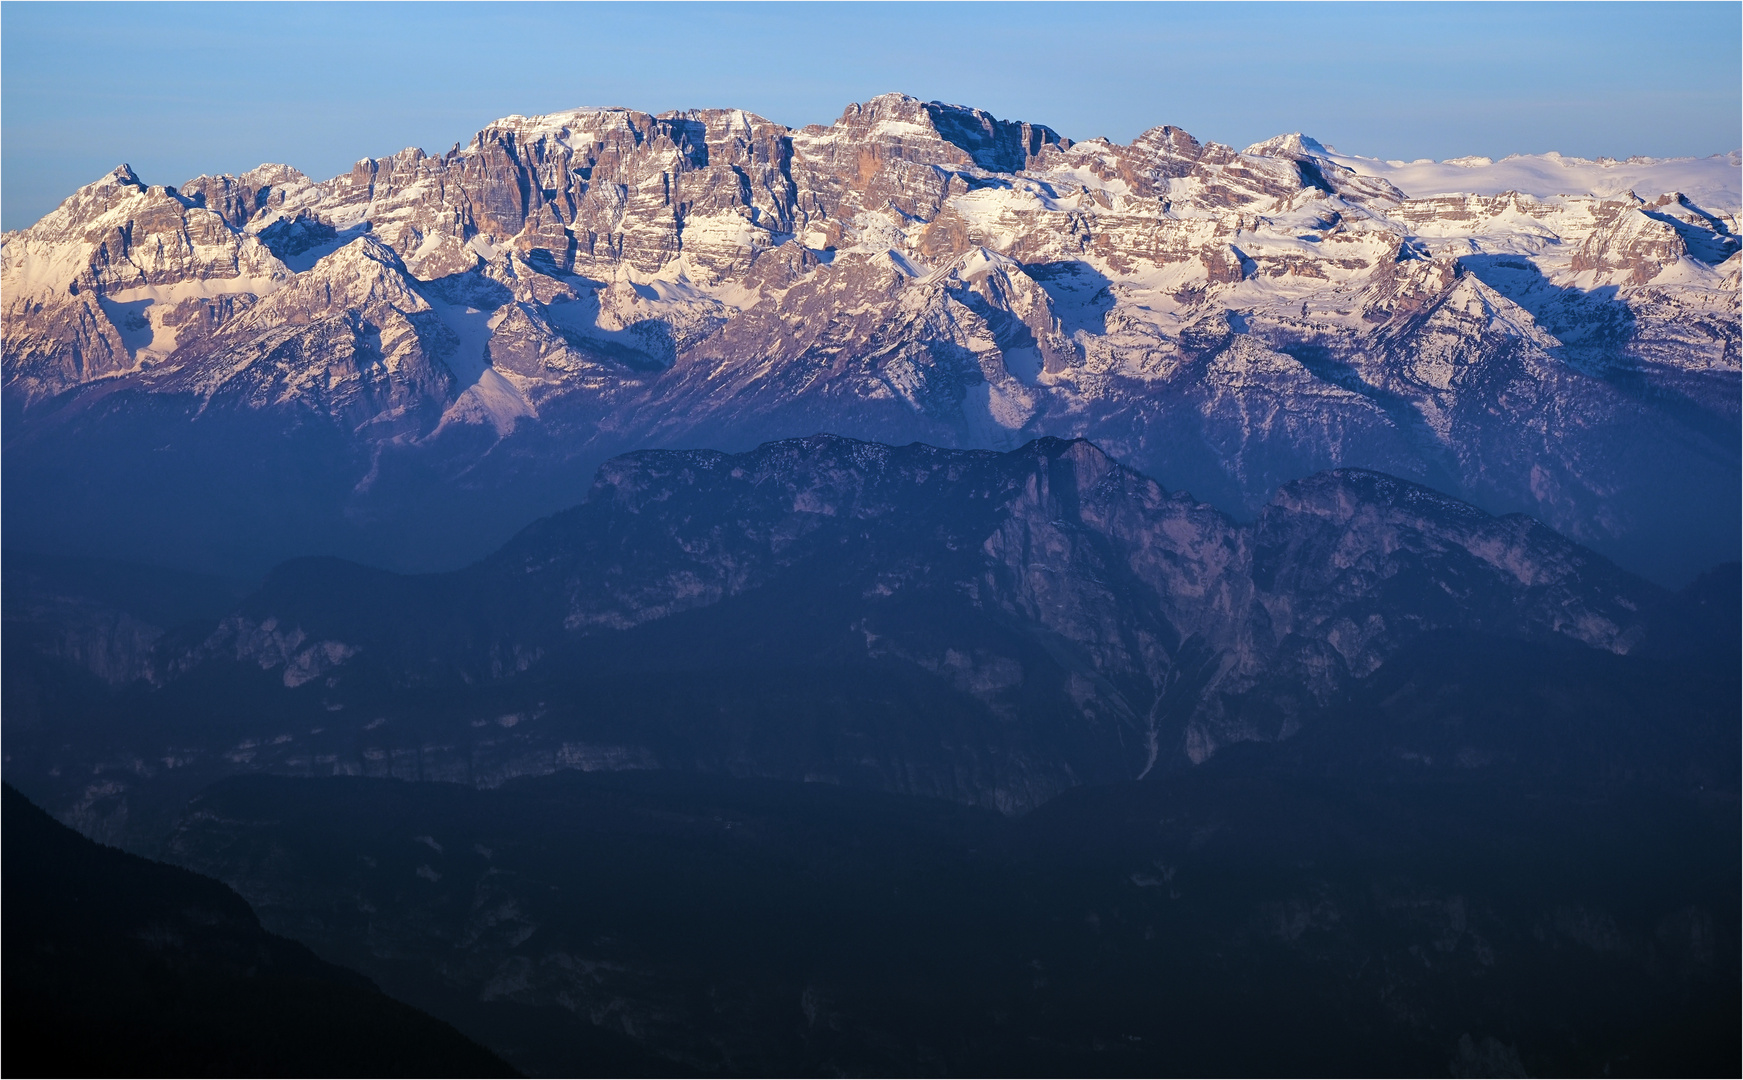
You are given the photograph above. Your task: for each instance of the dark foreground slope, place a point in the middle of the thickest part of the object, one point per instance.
(1237, 920)
(119, 966)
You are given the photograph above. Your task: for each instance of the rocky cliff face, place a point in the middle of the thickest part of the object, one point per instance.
(430, 351)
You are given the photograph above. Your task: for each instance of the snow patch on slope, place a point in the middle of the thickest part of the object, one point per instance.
(487, 396)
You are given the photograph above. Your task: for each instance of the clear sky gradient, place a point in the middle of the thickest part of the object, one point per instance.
(181, 89)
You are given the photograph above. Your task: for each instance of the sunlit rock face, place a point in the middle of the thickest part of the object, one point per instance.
(423, 354)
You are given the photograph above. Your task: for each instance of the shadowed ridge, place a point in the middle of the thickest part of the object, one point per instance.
(117, 965)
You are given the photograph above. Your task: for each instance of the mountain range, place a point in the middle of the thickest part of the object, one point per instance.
(677, 594)
(406, 364)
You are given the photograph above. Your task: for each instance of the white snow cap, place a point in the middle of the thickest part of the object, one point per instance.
(1293, 144)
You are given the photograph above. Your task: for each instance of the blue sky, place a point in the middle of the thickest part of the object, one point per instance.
(177, 90)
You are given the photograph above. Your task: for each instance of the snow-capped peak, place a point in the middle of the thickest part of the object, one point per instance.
(1294, 144)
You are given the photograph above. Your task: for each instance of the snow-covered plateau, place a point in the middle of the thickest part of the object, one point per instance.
(407, 363)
